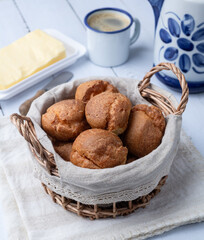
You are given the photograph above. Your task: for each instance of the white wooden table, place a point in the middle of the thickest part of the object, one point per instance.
(18, 17)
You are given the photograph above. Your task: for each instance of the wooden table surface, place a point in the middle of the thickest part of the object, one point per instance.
(18, 17)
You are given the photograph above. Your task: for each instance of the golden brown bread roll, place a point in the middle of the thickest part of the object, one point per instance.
(64, 120)
(63, 149)
(87, 90)
(145, 130)
(108, 111)
(97, 148)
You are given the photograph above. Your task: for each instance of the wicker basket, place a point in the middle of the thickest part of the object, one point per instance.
(46, 159)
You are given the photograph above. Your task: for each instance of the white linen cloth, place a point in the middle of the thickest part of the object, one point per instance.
(31, 214)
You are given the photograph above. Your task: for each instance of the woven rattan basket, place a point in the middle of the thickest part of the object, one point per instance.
(46, 159)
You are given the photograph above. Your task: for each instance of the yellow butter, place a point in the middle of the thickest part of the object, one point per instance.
(28, 55)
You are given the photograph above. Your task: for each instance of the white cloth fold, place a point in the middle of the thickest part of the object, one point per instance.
(31, 214)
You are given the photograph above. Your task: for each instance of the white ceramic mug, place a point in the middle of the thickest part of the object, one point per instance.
(110, 49)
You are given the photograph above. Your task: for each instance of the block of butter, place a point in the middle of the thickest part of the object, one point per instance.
(28, 55)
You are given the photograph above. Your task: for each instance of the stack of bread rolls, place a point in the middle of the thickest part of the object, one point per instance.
(101, 129)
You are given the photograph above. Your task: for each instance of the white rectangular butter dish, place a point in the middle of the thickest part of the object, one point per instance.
(74, 51)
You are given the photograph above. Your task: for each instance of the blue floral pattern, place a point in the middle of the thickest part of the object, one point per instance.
(186, 43)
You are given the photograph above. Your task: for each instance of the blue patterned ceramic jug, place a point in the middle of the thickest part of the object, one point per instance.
(179, 39)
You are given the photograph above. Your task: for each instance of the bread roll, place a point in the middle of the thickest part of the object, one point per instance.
(64, 120)
(63, 149)
(145, 130)
(108, 111)
(87, 90)
(97, 148)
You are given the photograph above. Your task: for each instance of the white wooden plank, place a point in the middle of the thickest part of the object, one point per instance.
(141, 59)
(1, 112)
(12, 26)
(89, 5)
(58, 15)
(193, 113)
(52, 14)
(141, 53)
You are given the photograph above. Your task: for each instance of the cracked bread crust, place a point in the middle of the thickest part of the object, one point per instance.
(87, 90)
(65, 120)
(97, 149)
(108, 111)
(154, 113)
(145, 130)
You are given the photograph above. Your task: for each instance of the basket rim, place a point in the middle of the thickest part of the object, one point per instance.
(46, 158)
(25, 124)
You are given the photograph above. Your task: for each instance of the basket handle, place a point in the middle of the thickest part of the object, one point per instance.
(159, 99)
(27, 130)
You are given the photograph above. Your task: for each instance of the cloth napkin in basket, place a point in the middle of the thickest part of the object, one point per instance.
(31, 214)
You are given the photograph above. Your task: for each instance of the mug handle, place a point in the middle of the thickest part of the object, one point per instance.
(136, 31)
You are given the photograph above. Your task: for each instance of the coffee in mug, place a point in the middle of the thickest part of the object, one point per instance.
(108, 21)
(108, 35)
